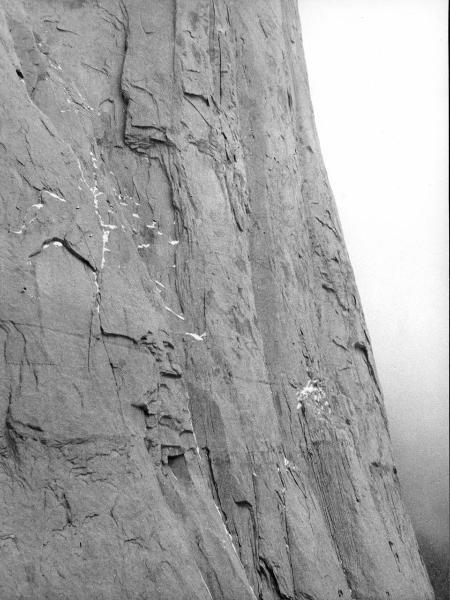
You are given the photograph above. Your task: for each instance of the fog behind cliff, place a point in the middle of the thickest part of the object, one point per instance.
(378, 76)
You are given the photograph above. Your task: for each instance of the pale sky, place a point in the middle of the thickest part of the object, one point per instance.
(378, 77)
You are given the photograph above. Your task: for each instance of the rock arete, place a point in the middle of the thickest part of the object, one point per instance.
(189, 403)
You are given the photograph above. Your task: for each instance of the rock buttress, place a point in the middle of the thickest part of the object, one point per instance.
(189, 402)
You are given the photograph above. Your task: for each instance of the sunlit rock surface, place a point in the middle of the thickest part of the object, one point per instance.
(189, 402)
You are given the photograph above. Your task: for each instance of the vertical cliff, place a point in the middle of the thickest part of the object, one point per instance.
(189, 402)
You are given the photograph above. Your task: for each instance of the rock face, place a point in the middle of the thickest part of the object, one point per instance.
(189, 403)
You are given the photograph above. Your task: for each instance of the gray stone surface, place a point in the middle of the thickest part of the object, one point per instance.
(189, 402)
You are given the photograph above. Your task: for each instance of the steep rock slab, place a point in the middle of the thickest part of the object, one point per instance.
(189, 397)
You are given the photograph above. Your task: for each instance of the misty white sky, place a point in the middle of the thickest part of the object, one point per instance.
(378, 77)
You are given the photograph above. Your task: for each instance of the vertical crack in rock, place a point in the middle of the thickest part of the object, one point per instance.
(189, 398)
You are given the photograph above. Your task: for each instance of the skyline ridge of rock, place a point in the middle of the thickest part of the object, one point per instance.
(189, 400)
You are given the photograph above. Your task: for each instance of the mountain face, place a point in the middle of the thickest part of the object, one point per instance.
(189, 403)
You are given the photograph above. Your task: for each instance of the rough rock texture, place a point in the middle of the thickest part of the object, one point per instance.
(189, 403)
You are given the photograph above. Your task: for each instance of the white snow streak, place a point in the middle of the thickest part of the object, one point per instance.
(174, 313)
(206, 586)
(197, 337)
(53, 195)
